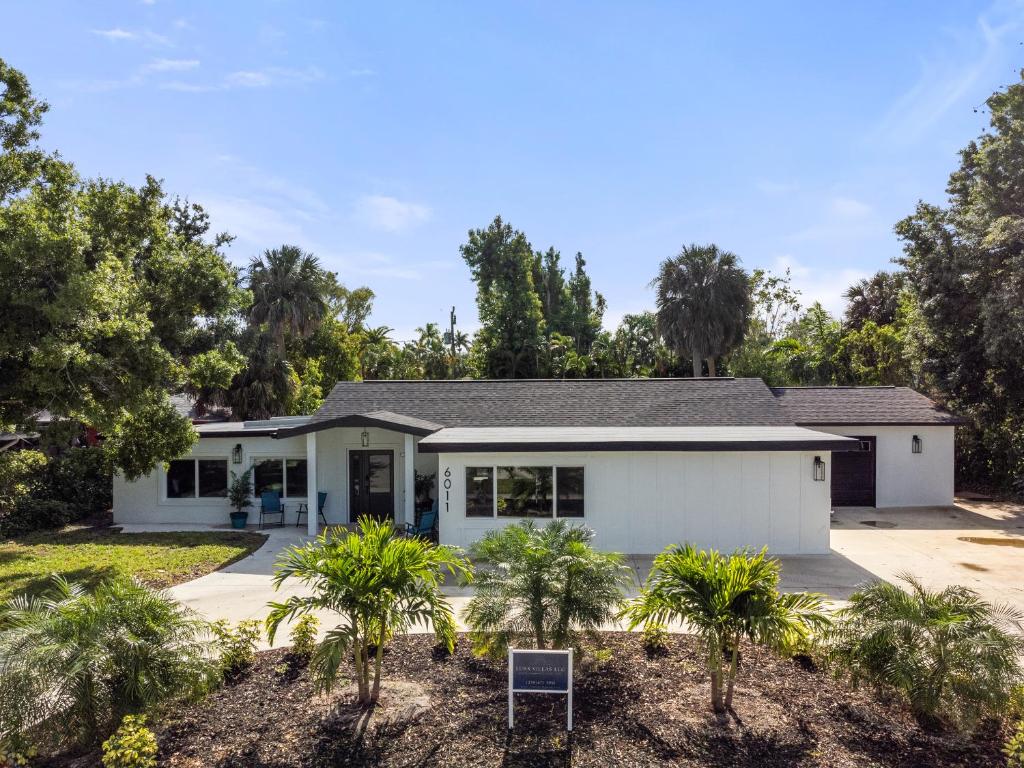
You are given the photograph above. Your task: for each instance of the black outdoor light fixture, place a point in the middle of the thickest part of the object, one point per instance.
(365, 439)
(915, 444)
(819, 469)
(236, 454)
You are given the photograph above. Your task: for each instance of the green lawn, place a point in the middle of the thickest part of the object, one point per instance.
(90, 554)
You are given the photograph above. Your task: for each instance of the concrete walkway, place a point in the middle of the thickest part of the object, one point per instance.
(977, 544)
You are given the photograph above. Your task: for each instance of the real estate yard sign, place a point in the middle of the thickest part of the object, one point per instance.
(533, 671)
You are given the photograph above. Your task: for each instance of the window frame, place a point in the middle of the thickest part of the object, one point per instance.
(165, 497)
(254, 459)
(494, 490)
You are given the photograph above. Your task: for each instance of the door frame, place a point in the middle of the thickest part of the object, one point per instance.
(352, 517)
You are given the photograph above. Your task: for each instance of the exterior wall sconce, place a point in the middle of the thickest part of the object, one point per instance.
(364, 438)
(819, 469)
(915, 444)
(236, 454)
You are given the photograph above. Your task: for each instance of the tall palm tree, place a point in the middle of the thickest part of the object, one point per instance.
(703, 299)
(542, 585)
(290, 292)
(267, 384)
(74, 662)
(379, 583)
(954, 656)
(724, 598)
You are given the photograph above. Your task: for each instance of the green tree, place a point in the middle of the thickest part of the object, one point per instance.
(77, 661)
(955, 657)
(542, 585)
(775, 307)
(723, 599)
(107, 294)
(965, 264)
(511, 335)
(876, 299)
(703, 299)
(379, 583)
(290, 292)
(582, 309)
(267, 385)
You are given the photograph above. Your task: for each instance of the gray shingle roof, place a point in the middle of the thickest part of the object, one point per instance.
(544, 402)
(861, 405)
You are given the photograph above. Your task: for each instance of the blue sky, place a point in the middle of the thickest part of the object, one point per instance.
(794, 134)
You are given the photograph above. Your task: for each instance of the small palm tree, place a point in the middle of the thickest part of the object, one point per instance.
(78, 661)
(724, 598)
(704, 303)
(954, 656)
(379, 583)
(542, 586)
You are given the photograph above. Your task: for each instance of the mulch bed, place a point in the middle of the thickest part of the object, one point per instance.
(631, 710)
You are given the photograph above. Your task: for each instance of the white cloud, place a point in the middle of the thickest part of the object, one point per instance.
(115, 34)
(145, 36)
(390, 213)
(250, 78)
(849, 208)
(172, 65)
(967, 59)
(825, 285)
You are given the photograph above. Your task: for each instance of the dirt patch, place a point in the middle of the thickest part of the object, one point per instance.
(630, 710)
(992, 541)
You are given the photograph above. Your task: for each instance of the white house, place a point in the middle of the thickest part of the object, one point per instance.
(717, 462)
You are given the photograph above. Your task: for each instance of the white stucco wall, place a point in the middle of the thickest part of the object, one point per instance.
(904, 478)
(144, 501)
(640, 502)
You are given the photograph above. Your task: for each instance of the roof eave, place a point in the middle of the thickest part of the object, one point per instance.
(354, 420)
(637, 445)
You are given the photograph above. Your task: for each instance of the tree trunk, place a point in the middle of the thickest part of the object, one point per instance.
(698, 363)
(732, 671)
(711, 367)
(715, 663)
(376, 670)
(360, 672)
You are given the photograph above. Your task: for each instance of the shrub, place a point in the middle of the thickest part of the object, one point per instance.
(133, 745)
(236, 645)
(655, 639)
(380, 583)
(303, 636)
(542, 586)
(1014, 749)
(77, 661)
(953, 656)
(15, 752)
(81, 478)
(724, 598)
(31, 514)
(21, 473)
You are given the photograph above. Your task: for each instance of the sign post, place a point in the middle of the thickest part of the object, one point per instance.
(532, 671)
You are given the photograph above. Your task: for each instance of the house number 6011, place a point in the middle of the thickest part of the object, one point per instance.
(447, 486)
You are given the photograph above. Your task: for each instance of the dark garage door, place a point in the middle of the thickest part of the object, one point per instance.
(853, 476)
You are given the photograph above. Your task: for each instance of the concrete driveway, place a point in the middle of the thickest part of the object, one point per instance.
(977, 544)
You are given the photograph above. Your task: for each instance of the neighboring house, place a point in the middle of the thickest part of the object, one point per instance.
(644, 462)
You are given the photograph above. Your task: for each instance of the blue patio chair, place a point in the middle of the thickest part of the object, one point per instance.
(270, 504)
(426, 524)
(321, 502)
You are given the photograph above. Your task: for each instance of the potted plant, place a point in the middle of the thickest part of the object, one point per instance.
(239, 495)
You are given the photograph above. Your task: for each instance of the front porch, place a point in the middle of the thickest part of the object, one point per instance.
(365, 471)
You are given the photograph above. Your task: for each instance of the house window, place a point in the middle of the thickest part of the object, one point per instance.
(524, 492)
(479, 491)
(286, 476)
(569, 485)
(186, 476)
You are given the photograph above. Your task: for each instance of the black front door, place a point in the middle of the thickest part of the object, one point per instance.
(371, 482)
(853, 475)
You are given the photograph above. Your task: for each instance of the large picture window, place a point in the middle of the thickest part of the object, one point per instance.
(286, 476)
(479, 491)
(524, 491)
(197, 478)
